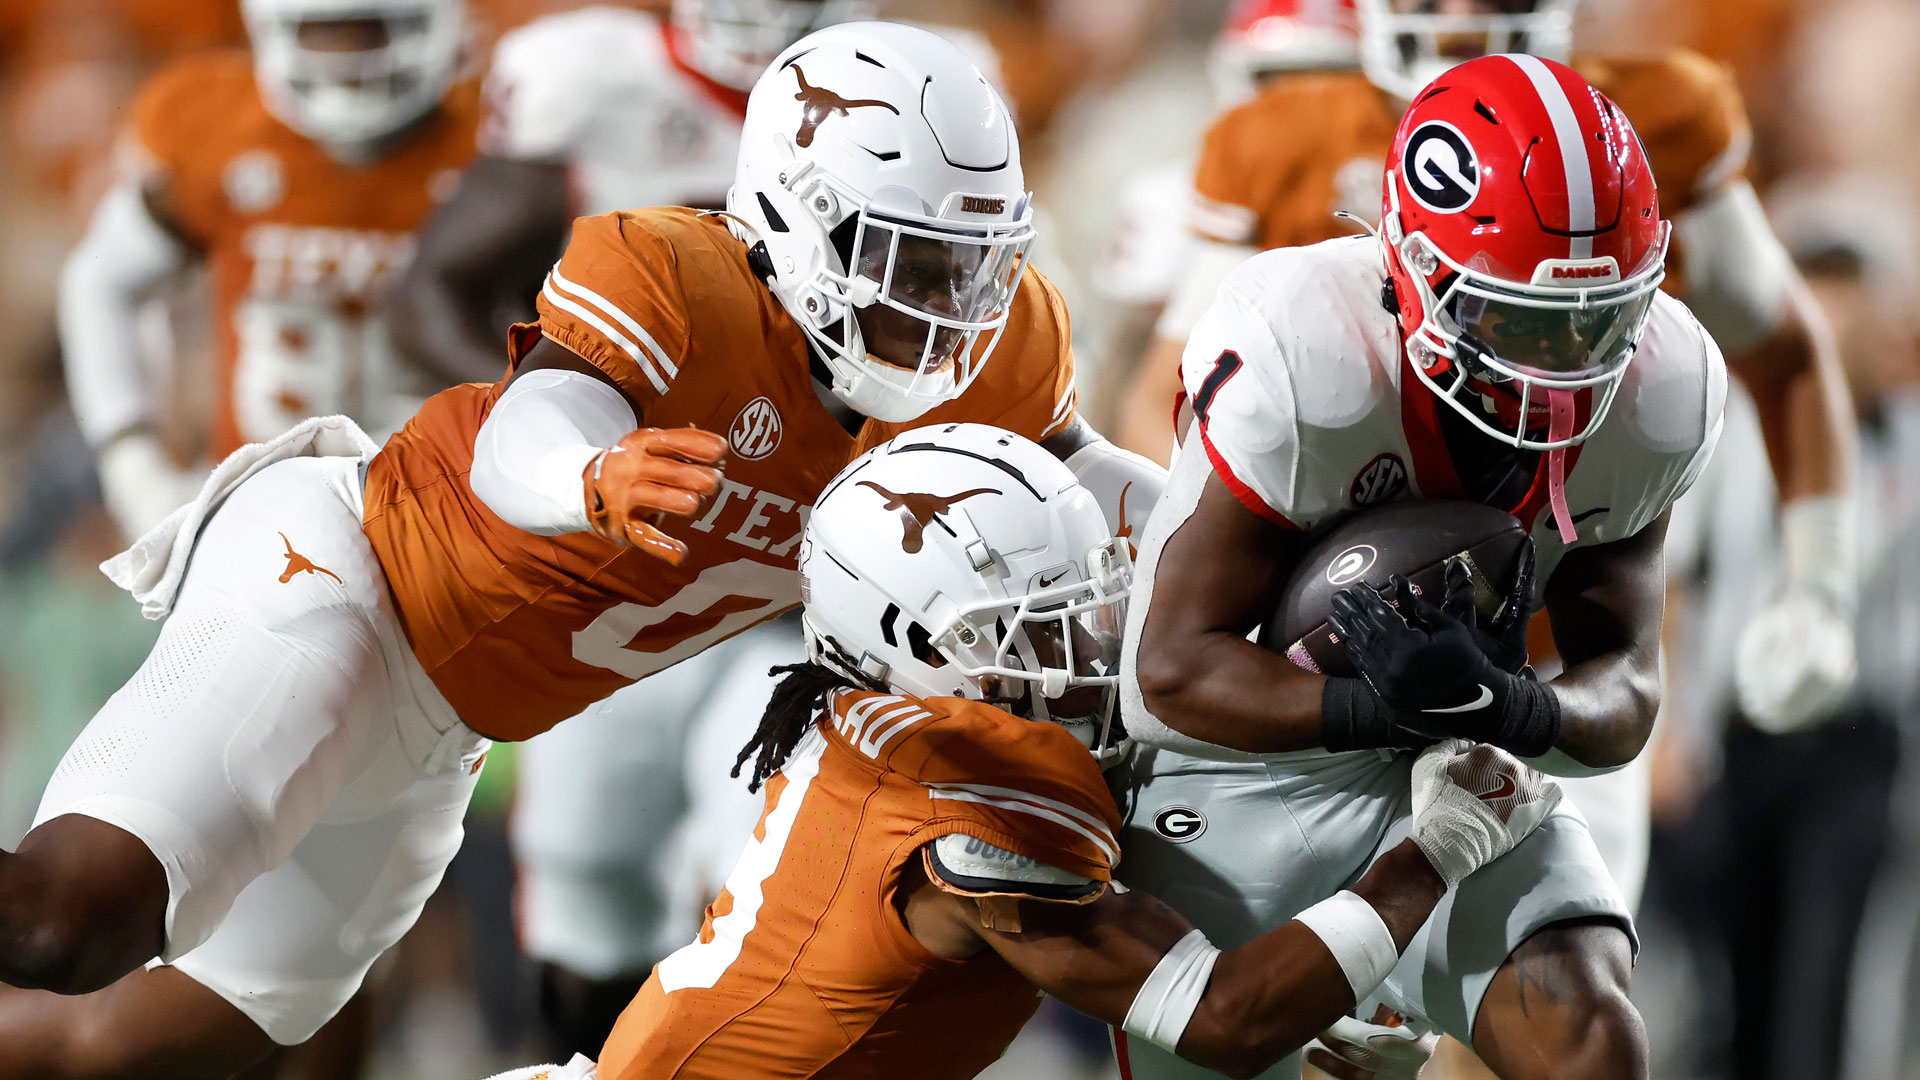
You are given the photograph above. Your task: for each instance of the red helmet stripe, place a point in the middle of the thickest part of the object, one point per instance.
(1573, 151)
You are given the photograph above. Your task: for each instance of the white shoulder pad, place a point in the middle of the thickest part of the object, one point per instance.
(1739, 275)
(970, 866)
(550, 77)
(1676, 389)
(1292, 374)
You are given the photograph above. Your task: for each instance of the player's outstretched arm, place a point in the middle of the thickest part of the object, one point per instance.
(1131, 961)
(562, 451)
(484, 251)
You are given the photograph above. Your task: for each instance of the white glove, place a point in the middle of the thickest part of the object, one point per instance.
(577, 1069)
(1372, 1051)
(1472, 803)
(1795, 659)
(141, 485)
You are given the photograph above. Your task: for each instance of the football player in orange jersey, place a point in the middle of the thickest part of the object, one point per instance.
(586, 112)
(1270, 175)
(938, 841)
(268, 802)
(297, 175)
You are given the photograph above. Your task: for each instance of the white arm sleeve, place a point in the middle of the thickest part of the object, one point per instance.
(1125, 484)
(542, 433)
(124, 256)
(1739, 275)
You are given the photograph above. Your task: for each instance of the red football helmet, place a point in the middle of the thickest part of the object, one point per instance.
(1522, 233)
(1262, 37)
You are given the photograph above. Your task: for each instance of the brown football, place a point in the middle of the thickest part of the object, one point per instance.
(1412, 538)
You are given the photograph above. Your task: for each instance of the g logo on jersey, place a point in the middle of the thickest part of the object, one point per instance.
(1442, 172)
(1179, 823)
(1351, 564)
(755, 433)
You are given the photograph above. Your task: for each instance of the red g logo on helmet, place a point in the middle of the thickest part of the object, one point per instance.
(1442, 173)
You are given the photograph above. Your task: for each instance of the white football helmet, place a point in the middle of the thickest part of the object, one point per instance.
(733, 41)
(353, 96)
(965, 561)
(1404, 45)
(881, 173)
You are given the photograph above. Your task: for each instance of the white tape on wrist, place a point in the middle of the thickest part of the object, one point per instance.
(1166, 1001)
(1818, 535)
(1356, 936)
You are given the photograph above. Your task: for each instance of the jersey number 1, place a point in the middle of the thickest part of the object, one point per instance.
(1224, 366)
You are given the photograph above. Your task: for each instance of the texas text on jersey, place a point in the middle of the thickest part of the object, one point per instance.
(804, 966)
(663, 301)
(302, 245)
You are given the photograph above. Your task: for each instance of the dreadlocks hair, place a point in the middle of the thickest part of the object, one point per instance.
(797, 699)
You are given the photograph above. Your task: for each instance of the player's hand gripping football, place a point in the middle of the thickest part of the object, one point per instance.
(1441, 671)
(1473, 804)
(1386, 1049)
(651, 472)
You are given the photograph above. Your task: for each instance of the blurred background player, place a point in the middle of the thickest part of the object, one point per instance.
(589, 111)
(1271, 174)
(298, 176)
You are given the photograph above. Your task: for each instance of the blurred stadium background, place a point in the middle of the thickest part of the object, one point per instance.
(1780, 921)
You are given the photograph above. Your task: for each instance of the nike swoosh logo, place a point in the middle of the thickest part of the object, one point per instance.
(1505, 788)
(1481, 702)
(1585, 514)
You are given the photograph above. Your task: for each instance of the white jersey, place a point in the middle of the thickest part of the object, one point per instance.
(1297, 376)
(601, 90)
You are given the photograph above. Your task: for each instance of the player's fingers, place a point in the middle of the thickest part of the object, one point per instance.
(1378, 611)
(1519, 603)
(644, 536)
(687, 444)
(644, 498)
(703, 480)
(1458, 597)
(1335, 1067)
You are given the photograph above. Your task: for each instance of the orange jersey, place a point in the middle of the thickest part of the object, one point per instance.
(521, 631)
(804, 967)
(1273, 170)
(302, 247)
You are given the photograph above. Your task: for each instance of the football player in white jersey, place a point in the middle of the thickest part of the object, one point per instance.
(1501, 340)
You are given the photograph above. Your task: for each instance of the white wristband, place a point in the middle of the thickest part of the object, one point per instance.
(1818, 533)
(1166, 1001)
(1356, 936)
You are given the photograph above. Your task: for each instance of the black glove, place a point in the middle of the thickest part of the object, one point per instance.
(1432, 671)
(1503, 640)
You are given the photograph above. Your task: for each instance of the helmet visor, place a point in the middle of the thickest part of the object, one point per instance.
(934, 288)
(1552, 343)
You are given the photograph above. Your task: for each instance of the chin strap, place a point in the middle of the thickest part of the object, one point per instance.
(1560, 410)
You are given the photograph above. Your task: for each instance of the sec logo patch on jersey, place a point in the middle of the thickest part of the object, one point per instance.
(1383, 478)
(756, 431)
(1180, 823)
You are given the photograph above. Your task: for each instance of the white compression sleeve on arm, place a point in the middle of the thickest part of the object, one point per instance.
(110, 273)
(528, 456)
(1165, 1003)
(1356, 936)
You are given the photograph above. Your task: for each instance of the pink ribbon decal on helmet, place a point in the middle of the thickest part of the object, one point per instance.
(1560, 410)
